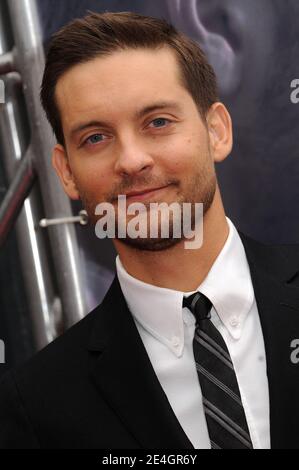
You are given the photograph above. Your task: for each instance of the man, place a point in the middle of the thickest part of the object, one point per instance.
(191, 348)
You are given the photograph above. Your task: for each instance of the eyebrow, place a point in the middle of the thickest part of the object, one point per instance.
(138, 115)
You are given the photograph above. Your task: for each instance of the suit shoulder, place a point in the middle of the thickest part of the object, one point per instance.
(282, 259)
(290, 251)
(68, 351)
(284, 248)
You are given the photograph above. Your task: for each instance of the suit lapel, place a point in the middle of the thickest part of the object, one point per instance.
(278, 304)
(124, 375)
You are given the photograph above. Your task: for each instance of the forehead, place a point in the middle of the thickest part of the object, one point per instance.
(119, 82)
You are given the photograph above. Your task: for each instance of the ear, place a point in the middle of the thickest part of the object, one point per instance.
(220, 131)
(62, 167)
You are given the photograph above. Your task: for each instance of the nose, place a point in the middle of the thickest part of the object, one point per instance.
(133, 159)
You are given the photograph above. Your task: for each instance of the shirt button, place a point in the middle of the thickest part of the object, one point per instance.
(175, 341)
(234, 322)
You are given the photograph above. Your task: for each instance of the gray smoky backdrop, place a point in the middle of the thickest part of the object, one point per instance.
(253, 46)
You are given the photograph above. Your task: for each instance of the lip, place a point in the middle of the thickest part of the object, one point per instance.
(141, 195)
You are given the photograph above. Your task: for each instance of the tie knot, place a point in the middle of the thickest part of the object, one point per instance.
(199, 305)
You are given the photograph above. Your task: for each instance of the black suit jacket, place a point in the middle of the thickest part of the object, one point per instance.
(95, 387)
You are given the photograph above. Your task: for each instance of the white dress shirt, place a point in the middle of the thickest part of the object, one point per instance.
(167, 331)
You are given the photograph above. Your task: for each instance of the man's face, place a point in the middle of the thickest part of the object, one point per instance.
(130, 125)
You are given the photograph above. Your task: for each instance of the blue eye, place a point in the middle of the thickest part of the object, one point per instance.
(159, 121)
(94, 139)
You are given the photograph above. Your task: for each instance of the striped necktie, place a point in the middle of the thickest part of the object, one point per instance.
(222, 402)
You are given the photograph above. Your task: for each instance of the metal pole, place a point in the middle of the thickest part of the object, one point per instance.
(29, 58)
(44, 307)
(15, 196)
(7, 63)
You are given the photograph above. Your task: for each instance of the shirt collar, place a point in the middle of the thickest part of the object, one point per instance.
(227, 285)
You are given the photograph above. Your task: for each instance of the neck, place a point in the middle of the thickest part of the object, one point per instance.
(178, 268)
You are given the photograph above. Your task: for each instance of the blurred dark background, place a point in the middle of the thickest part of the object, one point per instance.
(253, 47)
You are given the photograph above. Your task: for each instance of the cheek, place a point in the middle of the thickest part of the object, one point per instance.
(90, 180)
(183, 157)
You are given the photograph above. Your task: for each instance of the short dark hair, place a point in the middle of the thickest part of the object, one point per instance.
(101, 34)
